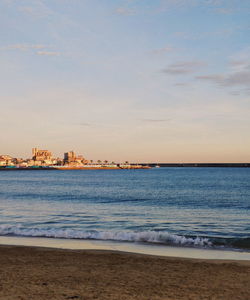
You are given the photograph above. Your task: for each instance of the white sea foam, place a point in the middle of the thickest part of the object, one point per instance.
(162, 237)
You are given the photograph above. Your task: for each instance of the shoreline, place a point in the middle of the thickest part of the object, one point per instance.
(126, 253)
(128, 247)
(70, 168)
(133, 166)
(46, 273)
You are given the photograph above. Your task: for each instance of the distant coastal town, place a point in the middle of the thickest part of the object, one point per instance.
(43, 159)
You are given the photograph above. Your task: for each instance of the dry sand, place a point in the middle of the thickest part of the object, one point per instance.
(41, 273)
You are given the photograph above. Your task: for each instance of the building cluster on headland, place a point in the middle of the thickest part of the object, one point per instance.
(44, 159)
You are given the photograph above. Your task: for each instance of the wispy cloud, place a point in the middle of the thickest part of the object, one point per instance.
(132, 7)
(225, 7)
(240, 60)
(184, 67)
(37, 9)
(229, 80)
(236, 76)
(38, 49)
(84, 124)
(240, 63)
(168, 4)
(48, 53)
(219, 6)
(222, 33)
(23, 47)
(224, 11)
(155, 120)
(181, 84)
(163, 50)
(125, 11)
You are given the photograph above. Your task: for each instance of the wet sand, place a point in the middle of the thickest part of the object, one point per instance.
(44, 273)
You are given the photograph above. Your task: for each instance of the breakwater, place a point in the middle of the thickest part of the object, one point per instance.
(198, 165)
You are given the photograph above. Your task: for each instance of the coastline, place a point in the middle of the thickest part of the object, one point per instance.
(128, 247)
(46, 273)
(58, 168)
(133, 166)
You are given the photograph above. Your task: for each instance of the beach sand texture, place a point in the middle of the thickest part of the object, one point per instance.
(41, 273)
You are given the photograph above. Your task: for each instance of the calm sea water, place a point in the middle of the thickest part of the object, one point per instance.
(197, 207)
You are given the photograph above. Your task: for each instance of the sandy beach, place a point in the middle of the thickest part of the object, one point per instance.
(44, 273)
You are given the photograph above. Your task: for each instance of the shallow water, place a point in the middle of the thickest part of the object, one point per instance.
(197, 207)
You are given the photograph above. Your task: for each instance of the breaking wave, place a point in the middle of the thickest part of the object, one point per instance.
(152, 237)
(144, 236)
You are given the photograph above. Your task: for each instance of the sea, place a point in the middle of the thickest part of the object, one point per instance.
(205, 208)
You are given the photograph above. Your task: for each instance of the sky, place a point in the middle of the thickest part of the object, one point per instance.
(134, 80)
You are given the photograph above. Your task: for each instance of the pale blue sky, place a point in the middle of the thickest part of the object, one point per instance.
(137, 80)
